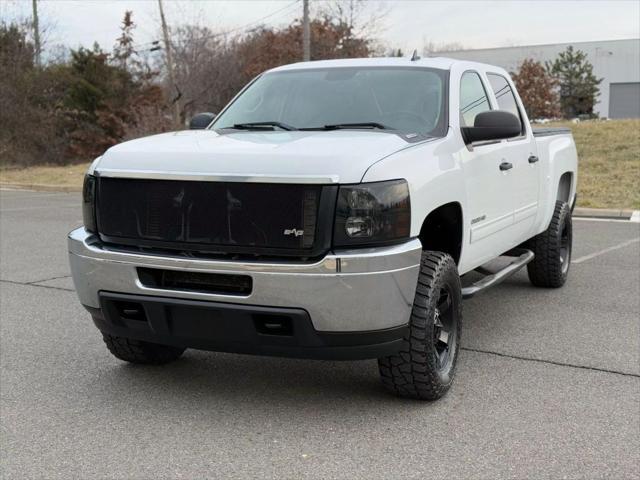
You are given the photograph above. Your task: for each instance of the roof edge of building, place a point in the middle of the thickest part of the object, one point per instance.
(533, 45)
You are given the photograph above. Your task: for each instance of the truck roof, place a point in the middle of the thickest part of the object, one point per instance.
(442, 63)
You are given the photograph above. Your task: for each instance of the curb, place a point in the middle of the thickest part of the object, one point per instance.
(608, 214)
(605, 213)
(39, 187)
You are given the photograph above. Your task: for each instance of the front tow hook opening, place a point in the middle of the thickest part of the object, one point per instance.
(273, 325)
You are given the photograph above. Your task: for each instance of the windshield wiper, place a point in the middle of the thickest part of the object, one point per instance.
(345, 126)
(262, 126)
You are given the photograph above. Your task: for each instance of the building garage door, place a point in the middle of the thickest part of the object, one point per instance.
(624, 100)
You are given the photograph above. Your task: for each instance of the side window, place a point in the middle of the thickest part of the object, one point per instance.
(473, 98)
(504, 95)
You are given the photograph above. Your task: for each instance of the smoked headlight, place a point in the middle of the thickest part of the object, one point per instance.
(89, 203)
(372, 213)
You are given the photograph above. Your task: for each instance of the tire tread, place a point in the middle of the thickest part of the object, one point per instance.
(545, 270)
(412, 372)
(137, 351)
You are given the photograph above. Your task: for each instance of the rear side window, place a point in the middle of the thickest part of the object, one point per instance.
(504, 95)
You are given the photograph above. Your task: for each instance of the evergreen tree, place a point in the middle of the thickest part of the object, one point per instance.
(578, 85)
(123, 49)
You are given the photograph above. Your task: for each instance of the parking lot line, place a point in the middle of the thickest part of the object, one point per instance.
(605, 250)
(41, 207)
(31, 193)
(596, 219)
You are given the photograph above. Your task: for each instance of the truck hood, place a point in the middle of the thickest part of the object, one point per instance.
(280, 157)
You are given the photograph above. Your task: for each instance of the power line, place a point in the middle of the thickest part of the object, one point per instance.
(260, 20)
(244, 27)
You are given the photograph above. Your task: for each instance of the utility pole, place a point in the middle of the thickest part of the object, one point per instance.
(36, 30)
(306, 32)
(172, 78)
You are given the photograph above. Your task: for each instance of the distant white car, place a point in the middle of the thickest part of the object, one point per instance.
(331, 210)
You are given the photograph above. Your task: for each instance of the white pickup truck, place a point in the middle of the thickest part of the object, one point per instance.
(330, 211)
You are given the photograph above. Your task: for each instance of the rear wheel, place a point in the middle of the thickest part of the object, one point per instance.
(425, 366)
(136, 351)
(552, 248)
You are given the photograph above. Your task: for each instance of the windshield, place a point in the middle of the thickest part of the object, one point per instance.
(405, 99)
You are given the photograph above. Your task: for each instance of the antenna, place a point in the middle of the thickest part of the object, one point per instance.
(415, 56)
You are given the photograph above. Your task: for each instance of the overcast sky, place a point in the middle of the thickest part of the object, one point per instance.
(475, 24)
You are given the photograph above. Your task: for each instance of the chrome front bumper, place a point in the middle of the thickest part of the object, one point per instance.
(347, 291)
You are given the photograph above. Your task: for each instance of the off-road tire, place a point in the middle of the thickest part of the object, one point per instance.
(552, 249)
(136, 351)
(414, 372)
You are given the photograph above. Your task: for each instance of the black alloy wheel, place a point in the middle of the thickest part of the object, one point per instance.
(444, 331)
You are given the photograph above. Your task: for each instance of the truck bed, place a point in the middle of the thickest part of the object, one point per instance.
(548, 131)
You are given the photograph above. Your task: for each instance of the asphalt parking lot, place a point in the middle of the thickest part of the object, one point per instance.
(548, 383)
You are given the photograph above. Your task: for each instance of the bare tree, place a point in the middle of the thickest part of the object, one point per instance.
(39, 26)
(537, 89)
(366, 18)
(431, 47)
(206, 68)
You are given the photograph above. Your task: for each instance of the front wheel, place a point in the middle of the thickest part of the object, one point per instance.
(425, 366)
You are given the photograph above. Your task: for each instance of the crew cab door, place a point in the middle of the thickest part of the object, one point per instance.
(489, 186)
(521, 153)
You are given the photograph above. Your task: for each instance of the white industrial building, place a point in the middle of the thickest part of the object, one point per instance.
(616, 61)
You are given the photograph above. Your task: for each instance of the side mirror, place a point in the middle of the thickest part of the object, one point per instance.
(492, 125)
(201, 121)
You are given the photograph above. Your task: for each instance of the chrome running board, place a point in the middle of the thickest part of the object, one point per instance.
(521, 258)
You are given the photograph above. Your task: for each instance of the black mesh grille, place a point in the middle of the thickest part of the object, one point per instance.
(212, 216)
